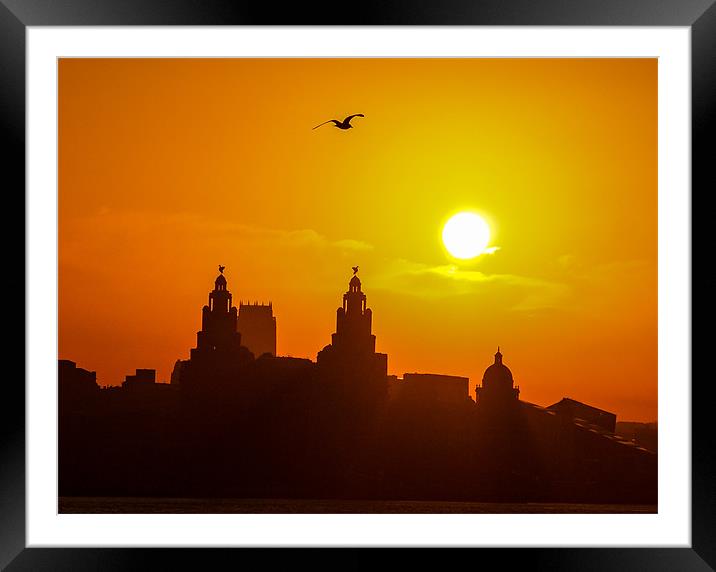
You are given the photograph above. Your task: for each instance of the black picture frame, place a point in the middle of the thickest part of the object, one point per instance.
(17, 15)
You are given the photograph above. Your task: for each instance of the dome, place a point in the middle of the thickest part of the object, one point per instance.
(354, 283)
(497, 373)
(220, 281)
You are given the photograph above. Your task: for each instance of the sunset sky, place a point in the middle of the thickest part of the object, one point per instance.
(170, 167)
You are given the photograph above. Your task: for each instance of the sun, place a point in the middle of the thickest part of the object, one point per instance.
(466, 235)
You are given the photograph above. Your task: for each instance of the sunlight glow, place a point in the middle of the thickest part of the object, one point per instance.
(466, 235)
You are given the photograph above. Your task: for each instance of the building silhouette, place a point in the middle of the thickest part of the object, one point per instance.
(141, 376)
(218, 322)
(350, 360)
(573, 409)
(641, 434)
(257, 326)
(218, 355)
(75, 381)
(432, 388)
(498, 390)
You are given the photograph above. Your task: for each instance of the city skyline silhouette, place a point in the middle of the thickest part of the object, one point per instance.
(232, 424)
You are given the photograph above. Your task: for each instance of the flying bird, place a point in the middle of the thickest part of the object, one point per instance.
(345, 124)
(355, 270)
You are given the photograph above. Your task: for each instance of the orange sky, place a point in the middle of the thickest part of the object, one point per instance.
(169, 167)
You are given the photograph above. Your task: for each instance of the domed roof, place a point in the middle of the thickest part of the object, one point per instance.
(497, 373)
(355, 281)
(220, 280)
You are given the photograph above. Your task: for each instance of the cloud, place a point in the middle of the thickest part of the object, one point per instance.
(107, 222)
(293, 238)
(521, 293)
(297, 238)
(350, 244)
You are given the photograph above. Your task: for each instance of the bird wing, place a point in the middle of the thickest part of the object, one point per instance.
(333, 120)
(347, 119)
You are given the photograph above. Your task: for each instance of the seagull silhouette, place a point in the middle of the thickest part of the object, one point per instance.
(345, 124)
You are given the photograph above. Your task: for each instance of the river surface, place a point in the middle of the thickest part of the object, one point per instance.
(134, 505)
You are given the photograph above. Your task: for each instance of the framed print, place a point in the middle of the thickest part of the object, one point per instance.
(416, 278)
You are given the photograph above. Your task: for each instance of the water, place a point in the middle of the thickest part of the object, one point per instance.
(134, 505)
